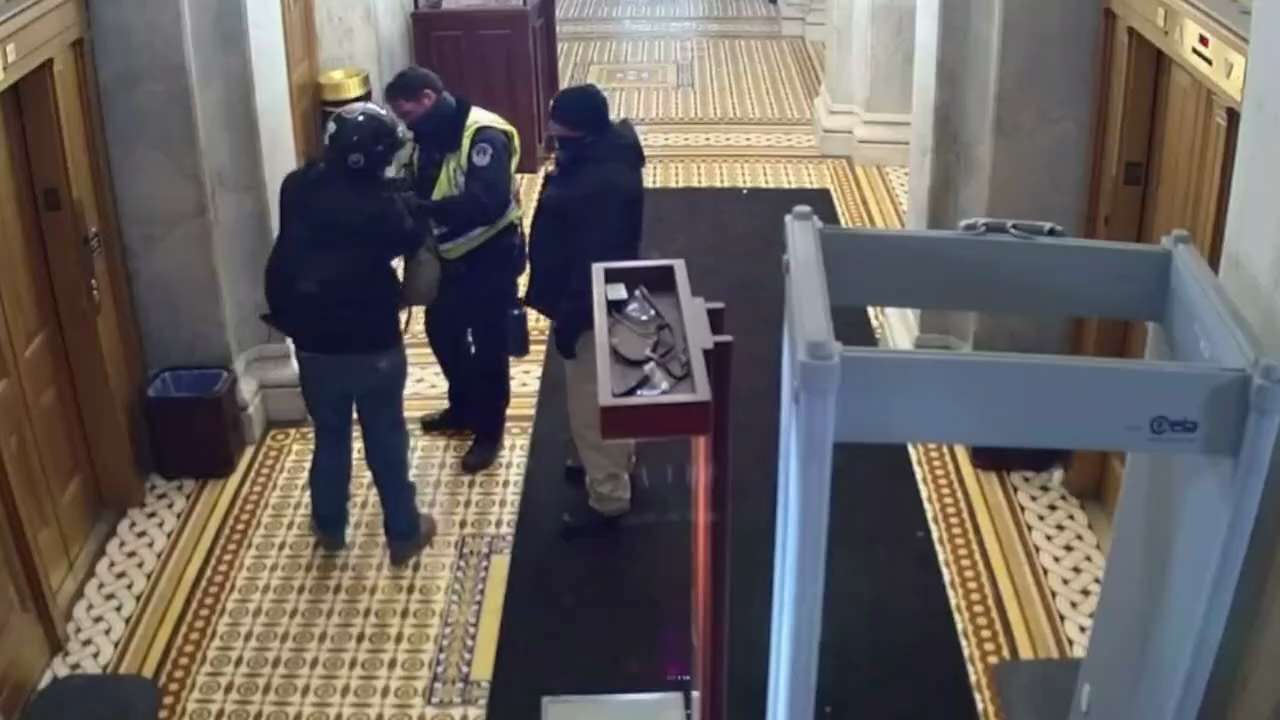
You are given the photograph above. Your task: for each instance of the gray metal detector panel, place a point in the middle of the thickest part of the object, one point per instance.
(1201, 415)
(984, 273)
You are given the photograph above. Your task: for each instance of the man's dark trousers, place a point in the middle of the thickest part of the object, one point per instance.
(467, 327)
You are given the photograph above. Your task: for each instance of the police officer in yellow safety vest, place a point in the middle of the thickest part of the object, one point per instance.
(465, 169)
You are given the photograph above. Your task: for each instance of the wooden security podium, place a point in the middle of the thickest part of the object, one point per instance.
(500, 55)
(697, 408)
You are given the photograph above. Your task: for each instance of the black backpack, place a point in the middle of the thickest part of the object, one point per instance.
(302, 275)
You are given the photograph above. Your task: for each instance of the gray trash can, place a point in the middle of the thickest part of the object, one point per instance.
(194, 421)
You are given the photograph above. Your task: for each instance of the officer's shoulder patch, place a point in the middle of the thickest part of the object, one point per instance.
(481, 154)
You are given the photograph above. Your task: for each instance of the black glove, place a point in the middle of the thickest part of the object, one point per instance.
(420, 210)
(566, 339)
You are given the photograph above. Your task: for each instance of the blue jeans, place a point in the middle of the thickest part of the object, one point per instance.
(374, 386)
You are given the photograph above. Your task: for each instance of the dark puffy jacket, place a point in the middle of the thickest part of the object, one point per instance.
(590, 210)
(330, 285)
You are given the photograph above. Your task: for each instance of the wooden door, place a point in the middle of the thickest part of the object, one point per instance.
(1168, 159)
(54, 124)
(303, 62)
(85, 206)
(39, 349)
(450, 41)
(26, 649)
(1127, 106)
(23, 494)
(65, 139)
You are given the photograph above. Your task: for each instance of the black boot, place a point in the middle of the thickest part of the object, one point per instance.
(575, 475)
(445, 422)
(481, 455)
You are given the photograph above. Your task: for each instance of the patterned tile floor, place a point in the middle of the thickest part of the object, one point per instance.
(698, 80)
(273, 631)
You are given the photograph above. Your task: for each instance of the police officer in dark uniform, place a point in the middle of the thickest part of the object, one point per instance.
(465, 169)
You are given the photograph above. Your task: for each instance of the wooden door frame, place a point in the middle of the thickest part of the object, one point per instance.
(304, 102)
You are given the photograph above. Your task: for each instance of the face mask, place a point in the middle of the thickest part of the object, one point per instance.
(568, 147)
(428, 126)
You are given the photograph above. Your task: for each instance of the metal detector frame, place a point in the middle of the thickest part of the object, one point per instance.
(1201, 415)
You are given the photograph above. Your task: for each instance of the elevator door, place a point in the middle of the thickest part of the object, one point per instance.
(66, 482)
(1167, 158)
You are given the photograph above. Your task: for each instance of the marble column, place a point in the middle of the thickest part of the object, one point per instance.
(864, 109)
(268, 373)
(182, 132)
(1004, 94)
(374, 35)
(271, 94)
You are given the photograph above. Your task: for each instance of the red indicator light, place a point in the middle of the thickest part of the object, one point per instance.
(1204, 41)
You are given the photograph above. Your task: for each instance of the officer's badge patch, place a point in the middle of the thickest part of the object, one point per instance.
(481, 154)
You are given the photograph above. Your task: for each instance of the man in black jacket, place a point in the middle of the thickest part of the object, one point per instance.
(331, 288)
(590, 210)
(464, 168)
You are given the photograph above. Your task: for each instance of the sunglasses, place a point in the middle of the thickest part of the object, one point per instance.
(641, 337)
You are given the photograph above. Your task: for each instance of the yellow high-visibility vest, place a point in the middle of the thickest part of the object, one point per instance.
(453, 178)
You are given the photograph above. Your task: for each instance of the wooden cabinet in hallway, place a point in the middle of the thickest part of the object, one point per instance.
(1167, 123)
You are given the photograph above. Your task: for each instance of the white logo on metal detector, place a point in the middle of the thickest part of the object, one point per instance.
(481, 155)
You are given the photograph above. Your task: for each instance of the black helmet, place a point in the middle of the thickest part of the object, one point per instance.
(362, 139)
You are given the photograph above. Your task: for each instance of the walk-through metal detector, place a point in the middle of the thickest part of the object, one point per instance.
(1200, 415)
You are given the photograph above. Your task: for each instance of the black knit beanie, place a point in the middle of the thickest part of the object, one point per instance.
(581, 108)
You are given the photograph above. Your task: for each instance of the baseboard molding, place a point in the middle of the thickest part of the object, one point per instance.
(816, 28)
(867, 138)
(254, 419)
(792, 17)
(269, 388)
(285, 405)
(892, 155)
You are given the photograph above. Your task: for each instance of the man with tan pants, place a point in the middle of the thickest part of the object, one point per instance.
(590, 210)
(605, 465)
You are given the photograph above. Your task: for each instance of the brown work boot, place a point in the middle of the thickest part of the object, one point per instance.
(402, 552)
(326, 542)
